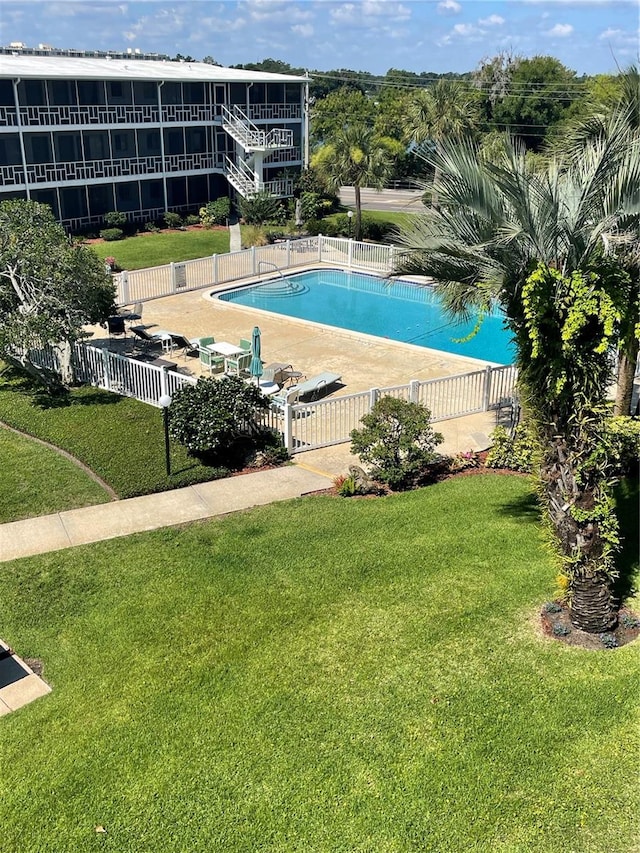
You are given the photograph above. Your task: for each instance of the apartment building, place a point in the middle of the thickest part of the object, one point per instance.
(90, 135)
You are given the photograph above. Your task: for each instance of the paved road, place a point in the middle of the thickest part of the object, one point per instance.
(405, 201)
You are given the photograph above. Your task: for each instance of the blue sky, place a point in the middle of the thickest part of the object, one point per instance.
(590, 36)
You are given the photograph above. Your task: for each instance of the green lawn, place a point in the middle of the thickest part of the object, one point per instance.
(152, 250)
(36, 480)
(321, 675)
(120, 439)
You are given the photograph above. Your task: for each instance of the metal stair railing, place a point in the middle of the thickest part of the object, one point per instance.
(248, 135)
(242, 177)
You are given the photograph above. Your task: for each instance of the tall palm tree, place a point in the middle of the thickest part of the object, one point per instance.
(623, 117)
(354, 157)
(447, 111)
(498, 223)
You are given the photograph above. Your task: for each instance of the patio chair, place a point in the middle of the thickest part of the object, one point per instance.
(211, 361)
(116, 326)
(189, 346)
(289, 396)
(131, 314)
(144, 339)
(277, 372)
(238, 364)
(315, 386)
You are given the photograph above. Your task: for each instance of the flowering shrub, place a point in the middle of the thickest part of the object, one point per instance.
(462, 461)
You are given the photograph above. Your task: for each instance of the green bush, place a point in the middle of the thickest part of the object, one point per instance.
(215, 212)
(262, 208)
(192, 219)
(111, 234)
(513, 451)
(623, 433)
(151, 227)
(310, 205)
(397, 440)
(215, 414)
(172, 219)
(115, 219)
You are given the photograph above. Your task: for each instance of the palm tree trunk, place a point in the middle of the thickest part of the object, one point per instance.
(591, 604)
(357, 233)
(627, 360)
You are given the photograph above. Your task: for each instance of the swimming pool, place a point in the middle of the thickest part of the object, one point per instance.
(399, 310)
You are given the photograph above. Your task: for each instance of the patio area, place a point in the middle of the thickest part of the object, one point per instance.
(363, 361)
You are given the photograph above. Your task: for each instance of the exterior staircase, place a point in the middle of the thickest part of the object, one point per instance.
(249, 136)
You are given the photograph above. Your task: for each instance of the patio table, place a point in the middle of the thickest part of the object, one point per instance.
(225, 348)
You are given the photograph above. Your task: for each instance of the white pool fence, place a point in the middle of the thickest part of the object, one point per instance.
(215, 270)
(303, 426)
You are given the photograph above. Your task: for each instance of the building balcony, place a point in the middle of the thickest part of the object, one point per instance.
(54, 173)
(103, 114)
(284, 155)
(274, 112)
(11, 176)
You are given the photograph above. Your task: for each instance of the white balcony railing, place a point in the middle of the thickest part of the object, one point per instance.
(251, 138)
(284, 155)
(11, 175)
(274, 112)
(8, 117)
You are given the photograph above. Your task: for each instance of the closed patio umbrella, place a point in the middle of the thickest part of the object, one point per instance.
(255, 368)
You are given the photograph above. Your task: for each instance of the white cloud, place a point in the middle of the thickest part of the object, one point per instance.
(395, 10)
(560, 30)
(449, 7)
(304, 30)
(492, 21)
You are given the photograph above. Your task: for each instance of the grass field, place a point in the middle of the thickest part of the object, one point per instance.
(36, 480)
(120, 439)
(152, 250)
(321, 675)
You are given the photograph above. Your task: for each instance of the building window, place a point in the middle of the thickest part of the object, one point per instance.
(6, 94)
(61, 93)
(100, 199)
(196, 140)
(115, 89)
(10, 150)
(128, 196)
(49, 197)
(90, 92)
(67, 146)
(73, 203)
(152, 194)
(38, 147)
(33, 93)
(96, 145)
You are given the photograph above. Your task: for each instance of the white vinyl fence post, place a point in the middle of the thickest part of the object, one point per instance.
(253, 260)
(105, 369)
(124, 288)
(288, 427)
(392, 258)
(350, 254)
(487, 389)
(164, 390)
(414, 390)
(215, 269)
(288, 253)
(172, 271)
(374, 395)
(320, 239)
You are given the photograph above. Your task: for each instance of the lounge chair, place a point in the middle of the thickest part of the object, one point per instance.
(189, 346)
(289, 396)
(144, 339)
(313, 387)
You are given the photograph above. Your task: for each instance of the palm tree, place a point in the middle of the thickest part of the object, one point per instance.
(447, 111)
(357, 158)
(623, 116)
(533, 241)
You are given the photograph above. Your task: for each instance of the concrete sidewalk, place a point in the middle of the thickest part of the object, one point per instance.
(150, 512)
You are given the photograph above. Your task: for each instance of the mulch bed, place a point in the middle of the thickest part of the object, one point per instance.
(557, 625)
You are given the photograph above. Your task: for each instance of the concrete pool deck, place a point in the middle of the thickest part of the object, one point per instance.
(363, 361)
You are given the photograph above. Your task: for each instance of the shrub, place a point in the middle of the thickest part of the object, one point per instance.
(462, 461)
(115, 219)
(561, 630)
(172, 219)
(151, 227)
(261, 208)
(310, 205)
(552, 607)
(344, 485)
(192, 219)
(397, 440)
(111, 234)
(252, 235)
(629, 621)
(215, 212)
(214, 414)
(514, 451)
(623, 433)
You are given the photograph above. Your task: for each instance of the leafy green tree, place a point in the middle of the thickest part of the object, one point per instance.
(50, 288)
(215, 212)
(261, 207)
(354, 157)
(533, 241)
(539, 92)
(330, 114)
(397, 440)
(210, 417)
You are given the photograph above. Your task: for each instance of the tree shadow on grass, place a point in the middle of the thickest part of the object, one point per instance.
(525, 507)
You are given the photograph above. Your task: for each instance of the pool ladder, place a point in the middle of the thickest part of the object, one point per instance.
(288, 288)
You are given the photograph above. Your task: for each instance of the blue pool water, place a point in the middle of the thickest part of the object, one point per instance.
(398, 310)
